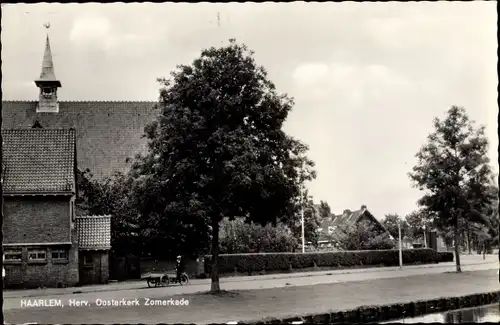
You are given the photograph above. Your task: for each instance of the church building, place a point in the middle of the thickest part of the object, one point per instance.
(108, 133)
(46, 142)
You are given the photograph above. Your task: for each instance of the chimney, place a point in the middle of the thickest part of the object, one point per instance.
(347, 211)
(363, 207)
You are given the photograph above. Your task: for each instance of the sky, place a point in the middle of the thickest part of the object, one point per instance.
(367, 78)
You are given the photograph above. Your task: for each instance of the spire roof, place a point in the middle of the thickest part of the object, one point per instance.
(48, 76)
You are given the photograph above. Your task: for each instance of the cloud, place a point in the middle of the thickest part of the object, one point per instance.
(311, 73)
(92, 29)
(348, 83)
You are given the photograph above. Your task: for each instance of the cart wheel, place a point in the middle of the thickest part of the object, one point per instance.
(165, 281)
(184, 279)
(151, 283)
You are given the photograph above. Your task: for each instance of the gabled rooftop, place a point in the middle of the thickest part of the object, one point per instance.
(107, 132)
(331, 227)
(39, 161)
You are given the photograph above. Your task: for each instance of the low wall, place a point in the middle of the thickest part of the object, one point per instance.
(367, 314)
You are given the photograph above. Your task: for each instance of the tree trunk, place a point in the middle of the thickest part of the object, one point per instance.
(457, 247)
(215, 286)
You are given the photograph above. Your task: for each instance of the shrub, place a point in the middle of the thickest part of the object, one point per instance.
(238, 237)
(363, 236)
(445, 257)
(248, 263)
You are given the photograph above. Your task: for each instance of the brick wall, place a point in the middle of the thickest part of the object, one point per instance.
(36, 219)
(49, 273)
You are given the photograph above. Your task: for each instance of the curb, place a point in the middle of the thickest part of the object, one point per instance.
(391, 312)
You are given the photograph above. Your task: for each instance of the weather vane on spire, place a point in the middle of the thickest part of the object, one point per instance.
(46, 25)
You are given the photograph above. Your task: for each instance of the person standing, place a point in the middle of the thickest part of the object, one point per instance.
(179, 268)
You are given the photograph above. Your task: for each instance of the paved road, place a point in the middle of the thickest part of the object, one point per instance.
(16, 311)
(471, 262)
(250, 304)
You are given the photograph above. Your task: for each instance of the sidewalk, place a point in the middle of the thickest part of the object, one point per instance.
(139, 284)
(255, 305)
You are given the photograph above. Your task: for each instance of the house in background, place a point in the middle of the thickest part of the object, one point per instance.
(94, 243)
(330, 228)
(40, 243)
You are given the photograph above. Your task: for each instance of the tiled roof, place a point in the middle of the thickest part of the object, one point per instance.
(94, 232)
(330, 227)
(107, 132)
(39, 161)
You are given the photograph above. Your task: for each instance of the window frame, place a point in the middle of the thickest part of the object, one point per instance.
(37, 251)
(13, 251)
(88, 261)
(59, 251)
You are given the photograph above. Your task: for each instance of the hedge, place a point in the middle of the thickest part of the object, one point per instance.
(258, 262)
(445, 257)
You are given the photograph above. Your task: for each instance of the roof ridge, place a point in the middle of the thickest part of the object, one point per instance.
(39, 129)
(84, 101)
(94, 216)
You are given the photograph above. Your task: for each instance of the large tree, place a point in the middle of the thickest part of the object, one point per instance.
(453, 170)
(218, 148)
(363, 235)
(110, 196)
(238, 236)
(391, 222)
(417, 221)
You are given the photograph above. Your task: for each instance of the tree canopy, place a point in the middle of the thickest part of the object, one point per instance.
(111, 196)
(311, 220)
(390, 223)
(218, 148)
(453, 170)
(238, 236)
(363, 235)
(324, 210)
(416, 222)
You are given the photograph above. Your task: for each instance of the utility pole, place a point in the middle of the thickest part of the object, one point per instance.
(302, 220)
(1, 204)
(302, 208)
(400, 246)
